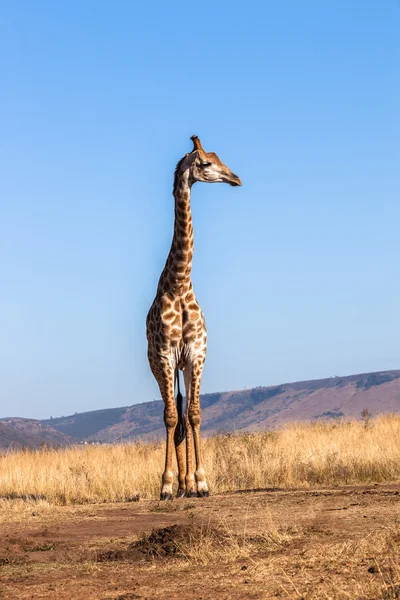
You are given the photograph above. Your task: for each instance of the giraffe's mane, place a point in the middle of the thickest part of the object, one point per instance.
(177, 172)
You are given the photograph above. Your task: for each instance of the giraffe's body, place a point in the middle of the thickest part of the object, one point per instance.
(176, 330)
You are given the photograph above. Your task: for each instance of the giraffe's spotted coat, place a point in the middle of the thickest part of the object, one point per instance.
(175, 326)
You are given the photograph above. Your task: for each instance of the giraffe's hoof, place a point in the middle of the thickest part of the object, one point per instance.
(191, 495)
(165, 496)
(203, 494)
(180, 493)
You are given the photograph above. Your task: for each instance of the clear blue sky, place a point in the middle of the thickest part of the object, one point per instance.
(297, 271)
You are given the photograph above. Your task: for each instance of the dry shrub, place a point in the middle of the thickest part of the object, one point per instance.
(300, 454)
(190, 541)
(199, 542)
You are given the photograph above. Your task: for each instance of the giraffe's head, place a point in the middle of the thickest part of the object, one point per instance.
(207, 166)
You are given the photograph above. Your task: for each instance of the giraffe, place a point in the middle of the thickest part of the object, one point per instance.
(176, 329)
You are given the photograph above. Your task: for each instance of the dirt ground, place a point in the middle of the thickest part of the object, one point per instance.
(340, 542)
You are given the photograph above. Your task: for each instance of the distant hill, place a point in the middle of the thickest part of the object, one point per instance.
(251, 410)
(29, 433)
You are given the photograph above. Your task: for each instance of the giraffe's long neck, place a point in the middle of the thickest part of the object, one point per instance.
(176, 275)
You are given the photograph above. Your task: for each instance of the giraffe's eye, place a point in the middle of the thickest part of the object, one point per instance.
(205, 164)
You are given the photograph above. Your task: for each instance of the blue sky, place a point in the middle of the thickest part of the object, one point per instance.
(296, 271)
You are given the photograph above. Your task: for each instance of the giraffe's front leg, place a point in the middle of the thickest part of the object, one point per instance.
(194, 414)
(170, 420)
(195, 480)
(190, 481)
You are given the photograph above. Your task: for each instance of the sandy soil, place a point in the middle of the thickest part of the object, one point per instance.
(329, 543)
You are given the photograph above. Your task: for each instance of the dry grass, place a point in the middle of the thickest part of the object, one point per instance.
(303, 454)
(368, 568)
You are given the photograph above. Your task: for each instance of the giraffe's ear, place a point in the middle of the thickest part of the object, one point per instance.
(196, 143)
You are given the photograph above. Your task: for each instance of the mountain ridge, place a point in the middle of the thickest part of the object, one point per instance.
(255, 409)
(17, 433)
(252, 409)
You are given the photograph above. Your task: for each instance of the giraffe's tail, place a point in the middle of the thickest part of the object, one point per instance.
(180, 433)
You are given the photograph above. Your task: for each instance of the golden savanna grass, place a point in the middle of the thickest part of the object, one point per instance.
(298, 455)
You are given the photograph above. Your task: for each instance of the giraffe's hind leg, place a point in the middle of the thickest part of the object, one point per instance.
(179, 438)
(180, 459)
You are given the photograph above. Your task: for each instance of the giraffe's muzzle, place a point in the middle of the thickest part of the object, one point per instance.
(233, 180)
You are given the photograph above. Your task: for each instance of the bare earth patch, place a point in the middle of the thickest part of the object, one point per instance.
(334, 543)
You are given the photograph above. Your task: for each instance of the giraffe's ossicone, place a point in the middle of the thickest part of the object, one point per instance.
(176, 329)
